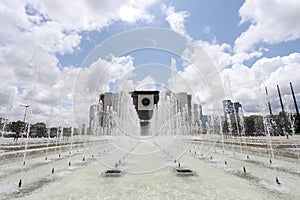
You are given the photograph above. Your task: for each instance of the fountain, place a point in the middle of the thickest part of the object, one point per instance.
(123, 152)
(264, 105)
(175, 158)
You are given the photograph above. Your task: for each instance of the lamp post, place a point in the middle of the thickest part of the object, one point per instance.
(25, 106)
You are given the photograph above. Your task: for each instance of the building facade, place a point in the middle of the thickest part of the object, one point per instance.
(144, 103)
(231, 110)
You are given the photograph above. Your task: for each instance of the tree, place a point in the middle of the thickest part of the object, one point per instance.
(41, 132)
(297, 123)
(250, 127)
(18, 126)
(281, 122)
(235, 126)
(53, 132)
(225, 127)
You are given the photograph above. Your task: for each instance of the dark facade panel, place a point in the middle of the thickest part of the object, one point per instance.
(144, 102)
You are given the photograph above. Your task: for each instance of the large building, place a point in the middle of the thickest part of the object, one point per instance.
(231, 109)
(99, 112)
(144, 103)
(38, 130)
(197, 114)
(109, 101)
(184, 101)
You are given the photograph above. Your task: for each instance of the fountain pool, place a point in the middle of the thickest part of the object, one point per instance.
(150, 176)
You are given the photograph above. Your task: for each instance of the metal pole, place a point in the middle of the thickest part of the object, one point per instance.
(294, 98)
(283, 113)
(269, 104)
(282, 108)
(25, 106)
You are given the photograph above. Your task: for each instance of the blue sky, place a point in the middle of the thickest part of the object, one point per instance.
(44, 45)
(221, 17)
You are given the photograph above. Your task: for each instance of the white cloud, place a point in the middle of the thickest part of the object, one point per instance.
(219, 54)
(98, 76)
(96, 79)
(263, 16)
(40, 96)
(243, 84)
(69, 88)
(94, 15)
(34, 32)
(240, 85)
(280, 71)
(200, 77)
(275, 70)
(132, 14)
(270, 22)
(240, 57)
(177, 82)
(175, 19)
(148, 83)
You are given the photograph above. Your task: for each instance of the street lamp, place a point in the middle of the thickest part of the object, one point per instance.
(25, 106)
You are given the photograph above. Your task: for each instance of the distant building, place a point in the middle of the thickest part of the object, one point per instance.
(231, 110)
(99, 112)
(194, 111)
(109, 101)
(184, 101)
(38, 130)
(197, 114)
(95, 114)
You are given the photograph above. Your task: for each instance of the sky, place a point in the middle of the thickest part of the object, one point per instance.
(47, 59)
